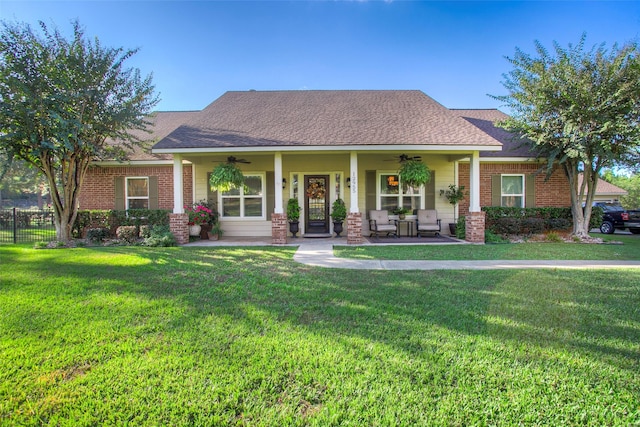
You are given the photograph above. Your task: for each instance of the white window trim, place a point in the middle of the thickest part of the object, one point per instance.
(242, 217)
(523, 188)
(126, 191)
(399, 196)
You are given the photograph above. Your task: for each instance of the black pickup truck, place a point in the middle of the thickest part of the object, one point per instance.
(615, 217)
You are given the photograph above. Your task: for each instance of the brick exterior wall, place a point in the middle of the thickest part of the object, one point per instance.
(98, 189)
(551, 193)
(279, 229)
(474, 227)
(179, 228)
(354, 228)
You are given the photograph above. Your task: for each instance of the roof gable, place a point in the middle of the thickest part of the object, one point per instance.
(485, 119)
(324, 118)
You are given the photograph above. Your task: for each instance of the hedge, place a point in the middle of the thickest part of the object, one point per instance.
(506, 220)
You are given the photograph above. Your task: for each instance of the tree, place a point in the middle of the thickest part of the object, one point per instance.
(579, 109)
(631, 183)
(19, 178)
(65, 103)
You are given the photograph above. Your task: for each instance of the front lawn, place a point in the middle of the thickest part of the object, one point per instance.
(246, 336)
(617, 247)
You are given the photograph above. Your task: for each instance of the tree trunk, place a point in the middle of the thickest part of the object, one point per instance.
(68, 177)
(581, 212)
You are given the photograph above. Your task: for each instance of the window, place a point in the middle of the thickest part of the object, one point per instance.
(245, 202)
(394, 193)
(512, 191)
(137, 193)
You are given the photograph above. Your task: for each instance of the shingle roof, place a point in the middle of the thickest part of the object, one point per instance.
(485, 119)
(324, 118)
(605, 188)
(162, 124)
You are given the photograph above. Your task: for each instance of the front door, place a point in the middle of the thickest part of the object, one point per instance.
(316, 200)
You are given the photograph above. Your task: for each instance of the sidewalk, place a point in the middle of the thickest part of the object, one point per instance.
(322, 256)
(319, 253)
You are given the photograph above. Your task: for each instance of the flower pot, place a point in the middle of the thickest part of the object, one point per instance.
(194, 230)
(213, 236)
(294, 227)
(402, 216)
(204, 231)
(452, 228)
(337, 227)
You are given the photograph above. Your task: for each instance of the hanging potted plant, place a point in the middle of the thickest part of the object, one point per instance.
(414, 173)
(293, 215)
(338, 214)
(226, 176)
(454, 195)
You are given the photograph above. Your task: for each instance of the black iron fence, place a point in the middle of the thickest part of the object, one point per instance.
(26, 225)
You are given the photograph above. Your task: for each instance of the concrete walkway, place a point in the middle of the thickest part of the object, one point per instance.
(319, 253)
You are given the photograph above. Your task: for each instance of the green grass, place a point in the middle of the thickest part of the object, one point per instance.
(245, 336)
(31, 234)
(628, 250)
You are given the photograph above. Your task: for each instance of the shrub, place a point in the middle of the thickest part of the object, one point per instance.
(558, 224)
(506, 225)
(531, 226)
(160, 236)
(145, 231)
(127, 233)
(490, 237)
(553, 237)
(461, 228)
(97, 234)
(596, 217)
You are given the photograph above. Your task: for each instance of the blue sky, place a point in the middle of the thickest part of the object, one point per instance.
(453, 51)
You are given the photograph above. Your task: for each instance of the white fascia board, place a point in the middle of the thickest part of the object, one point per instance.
(506, 160)
(369, 148)
(136, 163)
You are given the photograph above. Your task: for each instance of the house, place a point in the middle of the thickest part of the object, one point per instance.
(605, 191)
(318, 146)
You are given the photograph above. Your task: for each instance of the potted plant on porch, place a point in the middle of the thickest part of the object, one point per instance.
(401, 212)
(454, 195)
(338, 214)
(293, 216)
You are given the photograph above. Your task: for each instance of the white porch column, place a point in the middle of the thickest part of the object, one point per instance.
(353, 169)
(474, 181)
(178, 185)
(277, 171)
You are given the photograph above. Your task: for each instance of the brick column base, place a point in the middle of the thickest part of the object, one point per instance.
(354, 229)
(178, 226)
(278, 229)
(474, 223)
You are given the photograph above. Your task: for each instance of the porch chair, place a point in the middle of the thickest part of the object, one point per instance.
(379, 222)
(427, 222)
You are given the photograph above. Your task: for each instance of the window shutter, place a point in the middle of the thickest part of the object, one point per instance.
(430, 192)
(212, 196)
(271, 193)
(496, 190)
(370, 191)
(153, 192)
(119, 196)
(530, 191)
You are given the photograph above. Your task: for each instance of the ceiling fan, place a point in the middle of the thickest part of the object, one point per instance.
(232, 160)
(403, 158)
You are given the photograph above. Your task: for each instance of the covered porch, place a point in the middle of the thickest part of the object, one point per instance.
(366, 179)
